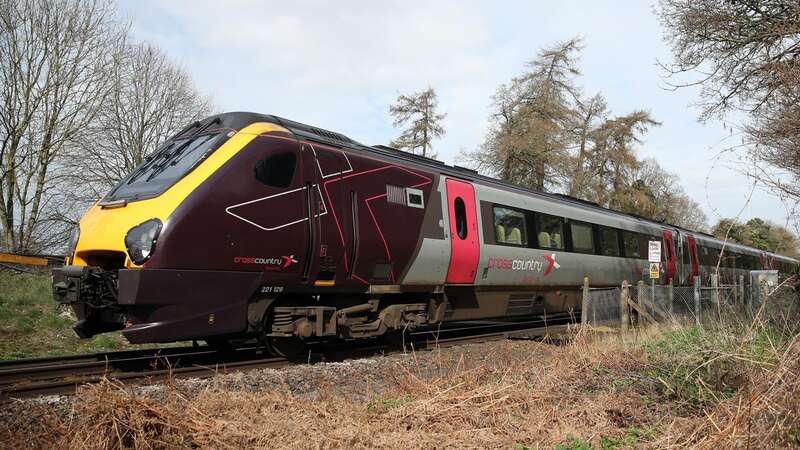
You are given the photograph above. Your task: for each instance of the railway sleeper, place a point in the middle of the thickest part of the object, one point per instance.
(352, 322)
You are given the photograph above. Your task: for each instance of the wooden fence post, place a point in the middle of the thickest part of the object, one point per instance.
(715, 292)
(741, 290)
(623, 306)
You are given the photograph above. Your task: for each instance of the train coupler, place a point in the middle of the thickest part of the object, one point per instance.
(92, 294)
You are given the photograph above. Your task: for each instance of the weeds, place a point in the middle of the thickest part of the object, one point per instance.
(734, 384)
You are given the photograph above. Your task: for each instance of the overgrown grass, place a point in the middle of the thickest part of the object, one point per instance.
(733, 384)
(31, 326)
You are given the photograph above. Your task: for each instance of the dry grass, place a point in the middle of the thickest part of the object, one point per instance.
(658, 388)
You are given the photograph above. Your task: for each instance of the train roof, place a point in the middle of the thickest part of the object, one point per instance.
(238, 120)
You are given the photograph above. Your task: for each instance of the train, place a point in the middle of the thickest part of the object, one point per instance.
(252, 226)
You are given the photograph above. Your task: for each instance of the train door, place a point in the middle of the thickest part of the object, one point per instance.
(681, 259)
(465, 248)
(327, 224)
(669, 253)
(694, 261)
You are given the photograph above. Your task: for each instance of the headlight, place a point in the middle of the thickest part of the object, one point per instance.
(141, 240)
(73, 243)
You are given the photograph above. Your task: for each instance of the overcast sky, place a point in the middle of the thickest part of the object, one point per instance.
(338, 65)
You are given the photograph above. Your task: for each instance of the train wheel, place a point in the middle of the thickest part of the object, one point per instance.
(396, 339)
(286, 347)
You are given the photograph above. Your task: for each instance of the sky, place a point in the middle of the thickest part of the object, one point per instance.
(339, 65)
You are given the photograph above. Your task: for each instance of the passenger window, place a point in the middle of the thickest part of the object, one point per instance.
(550, 231)
(510, 226)
(461, 217)
(609, 242)
(582, 239)
(631, 241)
(276, 170)
(644, 245)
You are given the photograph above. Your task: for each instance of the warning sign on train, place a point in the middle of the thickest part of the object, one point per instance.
(654, 272)
(654, 253)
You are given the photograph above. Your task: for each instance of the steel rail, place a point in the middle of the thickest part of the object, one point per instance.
(62, 375)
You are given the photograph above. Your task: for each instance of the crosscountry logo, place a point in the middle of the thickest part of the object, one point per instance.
(551, 264)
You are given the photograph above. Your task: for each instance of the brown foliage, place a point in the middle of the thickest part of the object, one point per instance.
(546, 136)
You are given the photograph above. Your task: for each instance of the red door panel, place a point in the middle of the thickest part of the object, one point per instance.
(670, 254)
(464, 246)
(695, 270)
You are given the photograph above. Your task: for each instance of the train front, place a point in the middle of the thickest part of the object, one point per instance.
(139, 260)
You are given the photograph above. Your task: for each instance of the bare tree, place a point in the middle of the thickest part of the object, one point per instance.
(419, 111)
(745, 55)
(54, 60)
(152, 98)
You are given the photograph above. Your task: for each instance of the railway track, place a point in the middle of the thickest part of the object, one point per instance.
(62, 375)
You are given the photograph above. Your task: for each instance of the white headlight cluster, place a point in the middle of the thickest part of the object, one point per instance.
(141, 240)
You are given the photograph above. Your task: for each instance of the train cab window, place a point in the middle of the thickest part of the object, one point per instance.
(460, 211)
(609, 242)
(550, 231)
(510, 226)
(632, 247)
(276, 170)
(582, 239)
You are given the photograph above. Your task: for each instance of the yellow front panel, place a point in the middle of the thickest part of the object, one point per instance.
(105, 229)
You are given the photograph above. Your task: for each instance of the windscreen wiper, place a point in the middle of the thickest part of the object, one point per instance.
(157, 169)
(149, 162)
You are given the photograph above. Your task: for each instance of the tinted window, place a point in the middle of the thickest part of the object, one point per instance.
(460, 211)
(702, 255)
(171, 162)
(582, 239)
(276, 170)
(609, 242)
(550, 231)
(632, 247)
(510, 226)
(686, 259)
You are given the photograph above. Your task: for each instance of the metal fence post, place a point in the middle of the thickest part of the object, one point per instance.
(697, 300)
(652, 294)
(623, 306)
(585, 302)
(670, 298)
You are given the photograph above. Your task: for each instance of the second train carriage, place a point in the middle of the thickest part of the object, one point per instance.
(247, 225)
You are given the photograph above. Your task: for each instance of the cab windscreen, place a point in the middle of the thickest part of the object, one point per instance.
(173, 160)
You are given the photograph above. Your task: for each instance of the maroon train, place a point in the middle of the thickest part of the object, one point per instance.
(246, 225)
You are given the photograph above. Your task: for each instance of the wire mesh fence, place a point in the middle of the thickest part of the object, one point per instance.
(642, 303)
(603, 307)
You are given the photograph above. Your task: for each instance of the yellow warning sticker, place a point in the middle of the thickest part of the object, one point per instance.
(654, 270)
